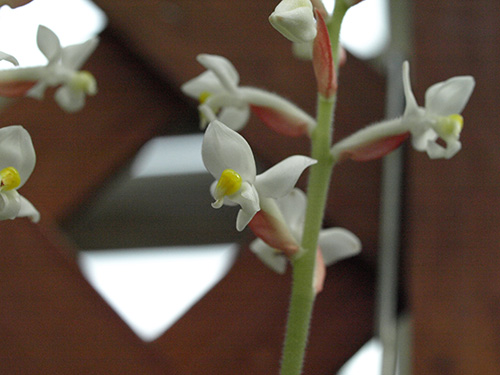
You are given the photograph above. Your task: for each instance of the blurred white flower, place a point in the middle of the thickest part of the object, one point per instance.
(62, 70)
(17, 161)
(439, 121)
(222, 98)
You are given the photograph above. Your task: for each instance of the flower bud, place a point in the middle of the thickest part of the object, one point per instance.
(295, 20)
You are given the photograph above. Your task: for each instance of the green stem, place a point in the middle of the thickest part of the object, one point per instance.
(303, 294)
(334, 25)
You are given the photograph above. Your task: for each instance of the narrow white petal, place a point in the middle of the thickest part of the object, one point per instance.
(9, 58)
(337, 244)
(223, 148)
(270, 257)
(28, 210)
(16, 150)
(280, 179)
(449, 97)
(436, 151)
(49, 44)
(10, 204)
(411, 103)
(243, 219)
(222, 68)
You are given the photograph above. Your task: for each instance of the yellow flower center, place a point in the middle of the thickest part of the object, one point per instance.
(84, 81)
(450, 126)
(228, 184)
(10, 178)
(204, 96)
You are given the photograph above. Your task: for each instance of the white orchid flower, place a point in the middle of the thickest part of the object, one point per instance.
(17, 161)
(440, 118)
(294, 19)
(438, 121)
(334, 244)
(61, 70)
(229, 158)
(222, 98)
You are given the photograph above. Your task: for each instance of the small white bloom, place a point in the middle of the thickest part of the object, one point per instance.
(335, 243)
(17, 161)
(222, 98)
(63, 69)
(229, 158)
(295, 20)
(440, 118)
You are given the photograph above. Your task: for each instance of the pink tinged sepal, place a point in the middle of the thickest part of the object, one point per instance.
(319, 272)
(280, 122)
(375, 150)
(15, 89)
(274, 232)
(324, 69)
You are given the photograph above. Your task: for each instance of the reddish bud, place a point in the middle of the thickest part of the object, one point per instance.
(376, 149)
(324, 69)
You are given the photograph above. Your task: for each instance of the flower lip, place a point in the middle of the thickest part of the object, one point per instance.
(10, 179)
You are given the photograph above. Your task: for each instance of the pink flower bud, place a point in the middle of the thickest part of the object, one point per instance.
(323, 59)
(375, 150)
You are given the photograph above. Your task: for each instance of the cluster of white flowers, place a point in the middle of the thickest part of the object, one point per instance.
(270, 205)
(17, 154)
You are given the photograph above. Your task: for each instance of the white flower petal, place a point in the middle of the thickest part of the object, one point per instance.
(337, 244)
(74, 56)
(223, 148)
(9, 58)
(243, 219)
(234, 117)
(436, 151)
(293, 208)
(49, 44)
(248, 198)
(16, 150)
(28, 210)
(421, 140)
(449, 97)
(10, 204)
(271, 258)
(280, 179)
(222, 68)
(68, 99)
(206, 82)
(411, 103)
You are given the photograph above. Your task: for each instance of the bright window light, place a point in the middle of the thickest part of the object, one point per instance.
(73, 21)
(152, 288)
(171, 155)
(365, 31)
(367, 361)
